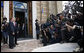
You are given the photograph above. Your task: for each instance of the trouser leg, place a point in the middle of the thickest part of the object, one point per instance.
(11, 41)
(6, 40)
(16, 39)
(37, 36)
(44, 41)
(4, 36)
(62, 34)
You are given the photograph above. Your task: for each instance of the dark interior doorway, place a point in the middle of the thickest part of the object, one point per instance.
(24, 15)
(21, 16)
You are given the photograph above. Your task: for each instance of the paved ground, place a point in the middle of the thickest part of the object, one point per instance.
(24, 46)
(58, 47)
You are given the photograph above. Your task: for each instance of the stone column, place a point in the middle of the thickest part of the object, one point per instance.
(34, 16)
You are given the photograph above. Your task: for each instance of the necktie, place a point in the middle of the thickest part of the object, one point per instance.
(14, 23)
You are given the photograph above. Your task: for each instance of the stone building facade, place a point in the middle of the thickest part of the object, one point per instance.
(48, 7)
(36, 10)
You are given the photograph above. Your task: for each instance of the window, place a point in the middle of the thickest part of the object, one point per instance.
(20, 5)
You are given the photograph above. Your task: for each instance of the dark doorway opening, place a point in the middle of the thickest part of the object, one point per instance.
(21, 16)
(23, 11)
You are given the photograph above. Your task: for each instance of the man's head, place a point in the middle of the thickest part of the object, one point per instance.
(36, 20)
(13, 19)
(70, 22)
(4, 19)
(51, 26)
(61, 16)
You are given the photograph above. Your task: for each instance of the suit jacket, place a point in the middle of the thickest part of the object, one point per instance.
(12, 28)
(37, 26)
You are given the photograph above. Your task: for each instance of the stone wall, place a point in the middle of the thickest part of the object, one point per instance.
(48, 7)
(52, 7)
(44, 7)
(38, 5)
(59, 6)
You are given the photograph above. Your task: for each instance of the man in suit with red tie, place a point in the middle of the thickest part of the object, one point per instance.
(12, 33)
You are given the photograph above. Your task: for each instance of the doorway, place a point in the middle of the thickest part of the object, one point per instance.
(22, 24)
(21, 16)
(21, 21)
(23, 11)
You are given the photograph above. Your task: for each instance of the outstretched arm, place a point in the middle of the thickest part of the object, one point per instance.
(72, 27)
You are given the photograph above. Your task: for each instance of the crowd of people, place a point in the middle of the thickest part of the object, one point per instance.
(56, 29)
(61, 29)
(10, 31)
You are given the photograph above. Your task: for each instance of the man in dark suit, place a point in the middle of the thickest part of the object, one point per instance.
(37, 29)
(44, 37)
(12, 33)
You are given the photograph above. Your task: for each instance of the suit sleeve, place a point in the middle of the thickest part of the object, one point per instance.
(11, 29)
(17, 28)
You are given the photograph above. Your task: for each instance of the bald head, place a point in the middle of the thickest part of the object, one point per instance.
(13, 19)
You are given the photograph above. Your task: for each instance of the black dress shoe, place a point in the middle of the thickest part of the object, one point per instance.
(11, 47)
(5, 43)
(17, 44)
(14, 46)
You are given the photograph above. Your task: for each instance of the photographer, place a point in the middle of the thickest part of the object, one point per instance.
(37, 28)
(68, 32)
(5, 30)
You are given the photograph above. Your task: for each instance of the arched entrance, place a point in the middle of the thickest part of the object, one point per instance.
(23, 11)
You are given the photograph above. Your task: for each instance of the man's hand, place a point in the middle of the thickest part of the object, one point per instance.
(71, 27)
(13, 33)
(2, 25)
(17, 31)
(66, 24)
(71, 38)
